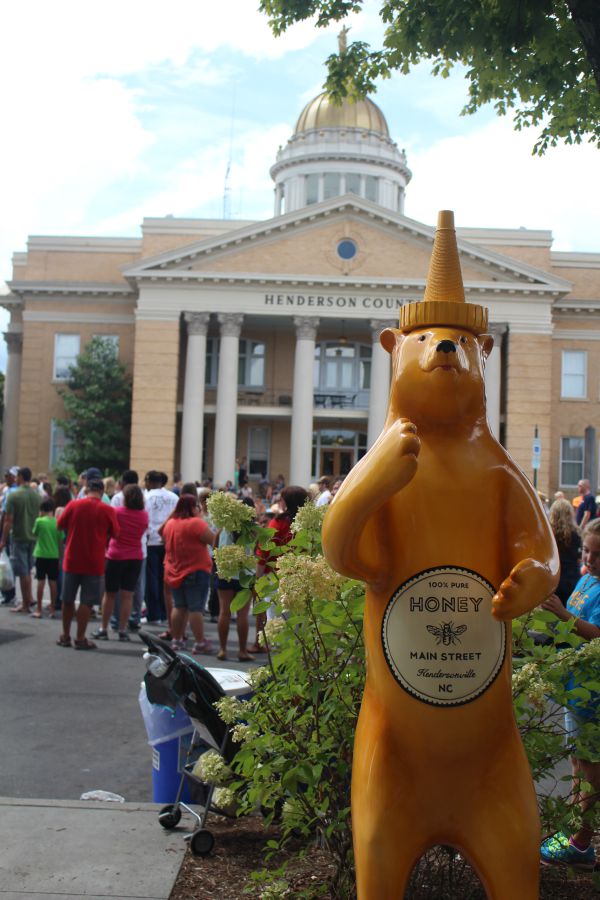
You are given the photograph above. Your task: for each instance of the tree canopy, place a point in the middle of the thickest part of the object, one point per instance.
(537, 58)
(97, 399)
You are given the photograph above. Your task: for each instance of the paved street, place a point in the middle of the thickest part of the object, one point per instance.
(70, 720)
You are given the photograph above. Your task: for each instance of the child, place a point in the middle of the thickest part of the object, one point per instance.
(584, 606)
(46, 553)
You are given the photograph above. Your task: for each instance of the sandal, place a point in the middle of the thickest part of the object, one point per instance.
(245, 657)
(166, 636)
(64, 641)
(124, 637)
(101, 634)
(35, 615)
(19, 609)
(202, 647)
(221, 655)
(84, 645)
(257, 648)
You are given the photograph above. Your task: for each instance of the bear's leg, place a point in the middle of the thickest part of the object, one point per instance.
(503, 841)
(385, 859)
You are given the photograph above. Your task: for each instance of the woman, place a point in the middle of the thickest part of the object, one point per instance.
(124, 558)
(226, 591)
(568, 541)
(292, 498)
(188, 565)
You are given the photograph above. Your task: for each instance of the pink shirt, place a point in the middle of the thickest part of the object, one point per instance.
(133, 524)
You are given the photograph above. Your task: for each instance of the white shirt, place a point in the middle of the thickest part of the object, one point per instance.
(323, 498)
(160, 503)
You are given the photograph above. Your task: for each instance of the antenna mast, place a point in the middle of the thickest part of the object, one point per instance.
(227, 184)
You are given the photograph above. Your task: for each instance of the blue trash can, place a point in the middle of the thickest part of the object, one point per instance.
(169, 735)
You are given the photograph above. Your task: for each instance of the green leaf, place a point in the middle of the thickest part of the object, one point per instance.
(240, 600)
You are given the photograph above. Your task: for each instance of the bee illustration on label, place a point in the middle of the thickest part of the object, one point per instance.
(447, 634)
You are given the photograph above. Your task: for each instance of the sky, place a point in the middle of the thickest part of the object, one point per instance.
(120, 110)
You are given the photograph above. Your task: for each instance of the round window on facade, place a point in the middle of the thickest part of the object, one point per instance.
(347, 249)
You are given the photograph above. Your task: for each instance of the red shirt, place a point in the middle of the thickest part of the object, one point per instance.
(283, 535)
(185, 550)
(89, 524)
(132, 527)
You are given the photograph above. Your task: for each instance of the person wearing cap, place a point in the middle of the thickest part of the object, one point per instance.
(325, 496)
(88, 523)
(94, 474)
(22, 508)
(10, 484)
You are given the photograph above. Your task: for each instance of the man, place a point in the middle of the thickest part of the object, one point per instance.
(89, 523)
(91, 474)
(22, 508)
(586, 509)
(10, 484)
(325, 495)
(160, 503)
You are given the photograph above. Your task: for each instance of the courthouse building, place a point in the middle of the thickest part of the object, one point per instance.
(261, 339)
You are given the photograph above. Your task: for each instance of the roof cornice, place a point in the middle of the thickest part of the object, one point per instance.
(66, 288)
(348, 204)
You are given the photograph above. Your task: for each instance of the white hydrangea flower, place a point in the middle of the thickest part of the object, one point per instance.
(241, 733)
(212, 767)
(230, 561)
(276, 890)
(309, 518)
(256, 677)
(302, 579)
(227, 512)
(230, 709)
(223, 797)
(274, 627)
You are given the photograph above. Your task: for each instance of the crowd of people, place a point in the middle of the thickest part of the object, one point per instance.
(133, 554)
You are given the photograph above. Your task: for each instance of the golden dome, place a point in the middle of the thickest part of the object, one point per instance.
(322, 112)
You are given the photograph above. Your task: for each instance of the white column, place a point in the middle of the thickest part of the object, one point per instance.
(227, 393)
(192, 422)
(380, 380)
(493, 380)
(302, 400)
(12, 390)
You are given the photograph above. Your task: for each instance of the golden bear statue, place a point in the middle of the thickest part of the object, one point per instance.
(453, 544)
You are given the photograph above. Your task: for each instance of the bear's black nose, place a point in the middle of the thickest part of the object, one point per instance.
(446, 347)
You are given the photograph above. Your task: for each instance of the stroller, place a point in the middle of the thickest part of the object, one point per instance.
(179, 680)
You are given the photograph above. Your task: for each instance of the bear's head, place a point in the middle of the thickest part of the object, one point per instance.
(438, 375)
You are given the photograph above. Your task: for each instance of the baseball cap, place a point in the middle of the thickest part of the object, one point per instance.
(93, 474)
(14, 470)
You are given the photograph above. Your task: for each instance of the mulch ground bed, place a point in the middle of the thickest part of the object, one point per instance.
(239, 850)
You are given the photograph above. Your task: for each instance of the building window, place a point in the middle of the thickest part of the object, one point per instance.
(331, 185)
(573, 384)
(340, 367)
(251, 368)
(572, 450)
(312, 189)
(371, 188)
(58, 443)
(259, 440)
(352, 183)
(347, 249)
(66, 351)
(110, 339)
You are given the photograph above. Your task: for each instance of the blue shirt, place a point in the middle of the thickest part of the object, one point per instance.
(584, 603)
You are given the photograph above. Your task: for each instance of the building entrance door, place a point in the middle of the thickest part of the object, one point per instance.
(336, 463)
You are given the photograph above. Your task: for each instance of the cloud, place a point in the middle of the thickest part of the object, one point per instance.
(490, 178)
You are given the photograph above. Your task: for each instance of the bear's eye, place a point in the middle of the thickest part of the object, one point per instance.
(422, 337)
(462, 339)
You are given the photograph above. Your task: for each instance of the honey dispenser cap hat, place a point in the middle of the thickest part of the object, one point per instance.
(444, 302)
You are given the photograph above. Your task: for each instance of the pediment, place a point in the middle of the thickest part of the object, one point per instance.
(391, 247)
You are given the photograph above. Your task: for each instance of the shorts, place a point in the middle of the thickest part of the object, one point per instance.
(122, 574)
(21, 557)
(192, 593)
(46, 568)
(92, 587)
(232, 585)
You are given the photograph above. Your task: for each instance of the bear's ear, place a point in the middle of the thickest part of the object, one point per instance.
(389, 337)
(486, 342)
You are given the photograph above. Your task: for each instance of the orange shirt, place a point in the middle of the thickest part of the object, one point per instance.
(185, 550)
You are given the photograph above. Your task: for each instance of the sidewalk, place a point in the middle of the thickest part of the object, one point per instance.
(53, 849)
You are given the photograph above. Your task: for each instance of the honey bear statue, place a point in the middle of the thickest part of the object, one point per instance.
(453, 544)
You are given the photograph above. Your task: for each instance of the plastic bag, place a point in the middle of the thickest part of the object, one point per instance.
(102, 795)
(7, 579)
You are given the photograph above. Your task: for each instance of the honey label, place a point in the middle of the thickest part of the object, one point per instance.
(440, 639)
